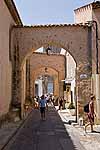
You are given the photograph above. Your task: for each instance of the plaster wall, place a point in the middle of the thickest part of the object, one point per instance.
(84, 14)
(5, 65)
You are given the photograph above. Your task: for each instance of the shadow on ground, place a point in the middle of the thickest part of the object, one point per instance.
(36, 134)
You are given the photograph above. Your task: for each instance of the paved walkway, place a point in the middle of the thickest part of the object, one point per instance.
(6, 132)
(51, 134)
(90, 141)
(9, 129)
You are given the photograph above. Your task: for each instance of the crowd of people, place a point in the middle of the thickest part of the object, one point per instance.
(43, 102)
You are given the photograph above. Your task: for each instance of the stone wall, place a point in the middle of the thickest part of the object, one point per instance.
(54, 61)
(76, 39)
(91, 13)
(55, 64)
(73, 38)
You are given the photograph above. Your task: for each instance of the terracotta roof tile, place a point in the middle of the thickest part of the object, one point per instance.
(52, 25)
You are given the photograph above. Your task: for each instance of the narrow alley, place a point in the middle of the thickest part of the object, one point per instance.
(52, 65)
(50, 134)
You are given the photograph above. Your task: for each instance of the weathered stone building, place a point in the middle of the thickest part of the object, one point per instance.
(18, 42)
(28, 39)
(89, 14)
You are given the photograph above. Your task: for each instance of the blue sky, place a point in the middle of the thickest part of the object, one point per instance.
(48, 11)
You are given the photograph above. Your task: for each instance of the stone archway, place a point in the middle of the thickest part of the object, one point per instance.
(55, 65)
(73, 38)
(54, 61)
(31, 38)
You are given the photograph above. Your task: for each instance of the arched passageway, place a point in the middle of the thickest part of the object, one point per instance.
(26, 40)
(35, 68)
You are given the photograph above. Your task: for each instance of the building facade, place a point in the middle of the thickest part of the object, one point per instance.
(18, 42)
(9, 17)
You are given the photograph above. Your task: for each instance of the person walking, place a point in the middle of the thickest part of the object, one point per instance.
(42, 104)
(60, 104)
(91, 114)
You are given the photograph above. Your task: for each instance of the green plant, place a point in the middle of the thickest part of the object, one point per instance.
(71, 106)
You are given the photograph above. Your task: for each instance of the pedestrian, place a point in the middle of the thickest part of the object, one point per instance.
(35, 103)
(53, 100)
(60, 104)
(42, 104)
(47, 101)
(91, 114)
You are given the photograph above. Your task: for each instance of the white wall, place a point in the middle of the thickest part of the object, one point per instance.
(84, 14)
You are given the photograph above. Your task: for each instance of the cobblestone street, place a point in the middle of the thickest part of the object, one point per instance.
(51, 134)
